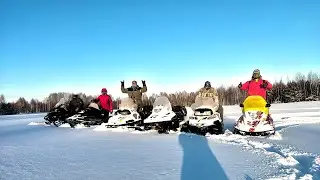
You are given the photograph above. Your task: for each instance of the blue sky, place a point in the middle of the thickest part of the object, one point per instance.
(84, 45)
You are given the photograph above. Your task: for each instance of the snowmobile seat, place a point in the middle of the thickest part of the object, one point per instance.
(181, 111)
(145, 111)
(203, 112)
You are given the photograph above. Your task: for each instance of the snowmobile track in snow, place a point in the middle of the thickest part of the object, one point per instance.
(295, 164)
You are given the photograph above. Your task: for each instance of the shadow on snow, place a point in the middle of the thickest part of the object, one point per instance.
(198, 160)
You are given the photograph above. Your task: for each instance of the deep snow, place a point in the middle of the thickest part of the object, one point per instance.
(31, 150)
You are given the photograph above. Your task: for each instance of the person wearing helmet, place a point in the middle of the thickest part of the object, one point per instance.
(208, 91)
(257, 85)
(135, 92)
(76, 104)
(106, 104)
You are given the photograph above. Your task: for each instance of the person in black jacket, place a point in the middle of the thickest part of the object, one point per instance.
(76, 104)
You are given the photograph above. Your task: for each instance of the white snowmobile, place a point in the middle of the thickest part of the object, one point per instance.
(164, 117)
(205, 120)
(57, 116)
(126, 115)
(90, 116)
(255, 120)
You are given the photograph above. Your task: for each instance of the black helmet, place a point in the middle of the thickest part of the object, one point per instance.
(207, 84)
(75, 96)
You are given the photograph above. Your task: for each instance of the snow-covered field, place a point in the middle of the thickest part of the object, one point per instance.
(34, 151)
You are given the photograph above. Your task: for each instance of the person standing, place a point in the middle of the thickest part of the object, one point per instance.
(106, 104)
(135, 92)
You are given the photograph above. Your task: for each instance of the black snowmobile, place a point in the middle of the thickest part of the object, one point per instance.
(57, 116)
(90, 116)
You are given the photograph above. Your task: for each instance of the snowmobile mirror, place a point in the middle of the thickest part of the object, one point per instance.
(268, 105)
(241, 105)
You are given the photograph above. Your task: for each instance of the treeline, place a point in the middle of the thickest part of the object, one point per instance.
(302, 88)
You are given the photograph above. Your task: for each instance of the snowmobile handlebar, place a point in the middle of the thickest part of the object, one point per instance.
(267, 105)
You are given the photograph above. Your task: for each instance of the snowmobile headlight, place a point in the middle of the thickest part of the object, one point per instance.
(200, 124)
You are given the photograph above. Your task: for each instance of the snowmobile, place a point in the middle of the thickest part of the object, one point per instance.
(57, 116)
(205, 119)
(126, 115)
(164, 117)
(255, 119)
(90, 116)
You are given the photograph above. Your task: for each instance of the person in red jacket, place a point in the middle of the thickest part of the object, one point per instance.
(106, 104)
(257, 85)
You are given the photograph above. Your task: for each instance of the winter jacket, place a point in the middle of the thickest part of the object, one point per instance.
(135, 95)
(212, 92)
(106, 102)
(254, 87)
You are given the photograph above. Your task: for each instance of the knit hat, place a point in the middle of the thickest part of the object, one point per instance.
(256, 74)
(256, 71)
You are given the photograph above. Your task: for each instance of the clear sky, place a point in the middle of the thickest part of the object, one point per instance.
(83, 45)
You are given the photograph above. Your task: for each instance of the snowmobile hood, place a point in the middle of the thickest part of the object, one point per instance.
(94, 105)
(255, 103)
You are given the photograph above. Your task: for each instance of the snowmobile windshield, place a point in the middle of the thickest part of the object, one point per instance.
(127, 103)
(204, 101)
(162, 101)
(62, 101)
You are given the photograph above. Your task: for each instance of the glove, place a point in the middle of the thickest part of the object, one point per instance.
(143, 83)
(240, 85)
(122, 83)
(264, 85)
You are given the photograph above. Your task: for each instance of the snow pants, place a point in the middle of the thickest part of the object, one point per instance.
(105, 117)
(220, 111)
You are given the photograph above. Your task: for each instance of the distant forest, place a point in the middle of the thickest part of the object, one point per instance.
(301, 88)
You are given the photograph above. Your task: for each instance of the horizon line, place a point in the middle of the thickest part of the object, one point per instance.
(188, 89)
